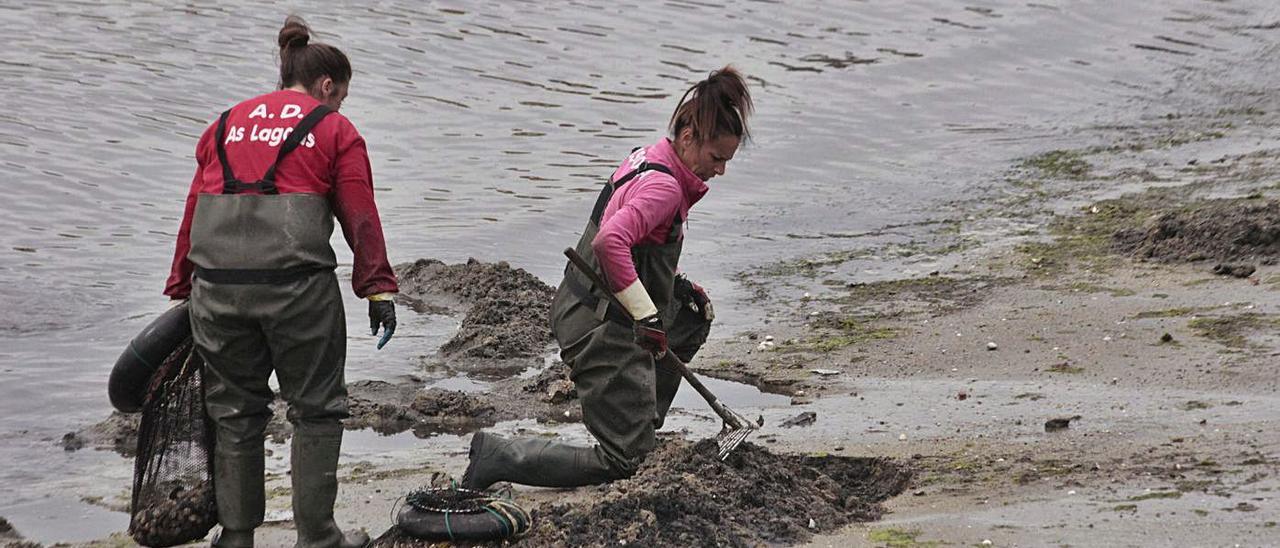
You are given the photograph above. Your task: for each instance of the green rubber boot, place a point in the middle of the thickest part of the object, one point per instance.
(314, 458)
(237, 481)
(533, 461)
(232, 539)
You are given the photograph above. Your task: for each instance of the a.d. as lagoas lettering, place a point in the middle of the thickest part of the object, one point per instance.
(272, 136)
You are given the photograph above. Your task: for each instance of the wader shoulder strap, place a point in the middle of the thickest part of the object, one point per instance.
(228, 177)
(606, 193)
(267, 184)
(610, 187)
(295, 138)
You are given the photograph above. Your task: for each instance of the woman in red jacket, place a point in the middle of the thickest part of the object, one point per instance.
(254, 258)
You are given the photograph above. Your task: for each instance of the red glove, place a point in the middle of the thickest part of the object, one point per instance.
(702, 301)
(650, 336)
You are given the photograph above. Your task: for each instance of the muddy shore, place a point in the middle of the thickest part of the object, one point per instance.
(683, 495)
(1135, 294)
(1111, 316)
(1086, 352)
(503, 332)
(1100, 366)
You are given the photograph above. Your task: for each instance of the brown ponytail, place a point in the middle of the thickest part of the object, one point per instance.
(302, 62)
(716, 107)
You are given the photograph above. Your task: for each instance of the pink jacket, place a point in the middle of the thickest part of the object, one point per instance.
(642, 210)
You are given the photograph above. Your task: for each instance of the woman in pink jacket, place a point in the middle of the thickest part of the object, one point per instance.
(633, 237)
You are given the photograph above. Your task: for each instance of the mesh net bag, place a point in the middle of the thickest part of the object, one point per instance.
(173, 501)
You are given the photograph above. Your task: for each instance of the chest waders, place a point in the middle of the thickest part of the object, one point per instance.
(685, 336)
(265, 299)
(623, 398)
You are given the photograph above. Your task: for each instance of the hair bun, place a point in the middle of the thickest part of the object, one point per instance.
(718, 105)
(294, 34)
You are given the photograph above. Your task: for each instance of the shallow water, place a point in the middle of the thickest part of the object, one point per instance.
(734, 395)
(490, 127)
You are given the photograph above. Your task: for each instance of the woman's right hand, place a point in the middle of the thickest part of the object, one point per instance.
(651, 336)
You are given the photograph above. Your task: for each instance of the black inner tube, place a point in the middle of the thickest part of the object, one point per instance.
(461, 515)
(127, 385)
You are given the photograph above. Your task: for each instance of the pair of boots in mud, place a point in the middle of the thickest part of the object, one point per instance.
(238, 480)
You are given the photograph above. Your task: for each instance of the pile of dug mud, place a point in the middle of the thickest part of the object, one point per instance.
(392, 408)
(7, 532)
(9, 537)
(684, 496)
(118, 432)
(389, 408)
(1221, 230)
(507, 309)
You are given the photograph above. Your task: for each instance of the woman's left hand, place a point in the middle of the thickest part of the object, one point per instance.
(382, 314)
(703, 301)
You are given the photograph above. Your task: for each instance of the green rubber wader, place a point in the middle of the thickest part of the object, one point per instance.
(616, 380)
(244, 332)
(262, 232)
(614, 376)
(685, 336)
(624, 398)
(265, 299)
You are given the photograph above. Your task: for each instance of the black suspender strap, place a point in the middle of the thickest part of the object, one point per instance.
(229, 180)
(673, 235)
(295, 138)
(610, 187)
(267, 184)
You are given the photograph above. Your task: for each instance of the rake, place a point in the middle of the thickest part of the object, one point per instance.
(736, 427)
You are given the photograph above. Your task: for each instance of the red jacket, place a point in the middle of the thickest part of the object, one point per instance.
(332, 162)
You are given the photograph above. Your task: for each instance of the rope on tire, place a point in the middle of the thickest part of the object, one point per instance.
(514, 520)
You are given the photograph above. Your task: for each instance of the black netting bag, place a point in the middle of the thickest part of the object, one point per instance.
(173, 501)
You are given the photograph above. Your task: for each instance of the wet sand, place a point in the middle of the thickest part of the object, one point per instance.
(1165, 362)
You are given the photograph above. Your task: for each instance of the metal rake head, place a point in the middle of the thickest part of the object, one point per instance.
(732, 435)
